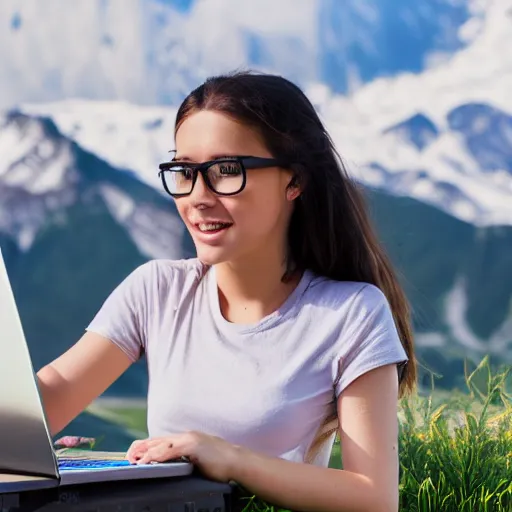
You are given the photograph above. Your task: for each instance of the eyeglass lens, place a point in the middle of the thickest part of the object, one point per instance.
(223, 177)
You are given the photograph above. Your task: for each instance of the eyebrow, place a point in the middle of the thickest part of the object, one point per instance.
(212, 157)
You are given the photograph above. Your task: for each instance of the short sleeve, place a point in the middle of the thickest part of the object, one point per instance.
(369, 339)
(123, 316)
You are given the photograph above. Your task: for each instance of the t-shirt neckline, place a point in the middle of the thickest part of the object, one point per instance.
(267, 321)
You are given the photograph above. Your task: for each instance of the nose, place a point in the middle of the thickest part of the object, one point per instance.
(201, 195)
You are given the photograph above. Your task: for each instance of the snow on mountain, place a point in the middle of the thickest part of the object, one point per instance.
(30, 145)
(145, 224)
(42, 174)
(441, 169)
(456, 314)
(442, 136)
(461, 163)
(128, 136)
(35, 175)
(448, 171)
(443, 259)
(461, 110)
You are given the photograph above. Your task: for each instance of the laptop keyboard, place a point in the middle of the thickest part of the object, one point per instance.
(70, 464)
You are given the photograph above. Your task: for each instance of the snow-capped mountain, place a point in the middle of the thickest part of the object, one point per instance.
(72, 227)
(432, 143)
(441, 136)
(154, 51)
(43, 174)
(125, 135)
(465, 171)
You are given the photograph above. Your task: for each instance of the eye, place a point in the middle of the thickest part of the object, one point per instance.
(183, 171)
(229, 169)
(187, 173)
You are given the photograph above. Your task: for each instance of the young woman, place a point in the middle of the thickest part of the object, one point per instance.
(288, 326)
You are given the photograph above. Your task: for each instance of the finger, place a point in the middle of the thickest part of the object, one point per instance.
(137, 447)
(161, 453)
(135, 455)
(137, 443)
(152, 455)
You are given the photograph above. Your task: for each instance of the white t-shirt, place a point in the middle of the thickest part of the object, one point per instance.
(269, 386)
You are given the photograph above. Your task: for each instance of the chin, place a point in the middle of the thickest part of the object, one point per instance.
(211, 255)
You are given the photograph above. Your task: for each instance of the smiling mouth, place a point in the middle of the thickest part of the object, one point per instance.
(212, 227)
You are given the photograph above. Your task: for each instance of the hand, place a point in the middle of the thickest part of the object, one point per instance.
(213, 456)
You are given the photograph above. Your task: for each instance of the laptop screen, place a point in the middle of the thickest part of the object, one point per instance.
(25, 442)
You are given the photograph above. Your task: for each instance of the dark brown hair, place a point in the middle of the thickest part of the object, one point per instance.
(330, 231)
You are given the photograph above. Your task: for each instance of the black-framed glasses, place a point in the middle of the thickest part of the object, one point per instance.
(224, 176)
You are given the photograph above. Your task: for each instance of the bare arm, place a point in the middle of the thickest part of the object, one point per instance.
(73, 380)
(369, 437)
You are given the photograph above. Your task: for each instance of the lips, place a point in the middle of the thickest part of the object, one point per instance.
(207, 227)
(206, 230)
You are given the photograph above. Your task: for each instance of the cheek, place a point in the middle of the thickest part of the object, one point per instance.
(259, 214)
(181, 207)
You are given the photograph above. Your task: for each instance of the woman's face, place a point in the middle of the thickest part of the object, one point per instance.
(250, 222)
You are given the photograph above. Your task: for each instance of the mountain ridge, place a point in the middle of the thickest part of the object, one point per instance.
(79, 251)
(82, 251)
(441, 171)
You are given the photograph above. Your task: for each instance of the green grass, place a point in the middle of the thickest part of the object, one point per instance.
(132, 417)
(455, 449)
(458, 455)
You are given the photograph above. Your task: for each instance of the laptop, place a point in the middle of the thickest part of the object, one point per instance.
(26, 446)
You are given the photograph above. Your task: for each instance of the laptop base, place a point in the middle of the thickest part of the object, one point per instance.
(142, 472)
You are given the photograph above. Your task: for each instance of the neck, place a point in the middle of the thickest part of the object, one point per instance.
(252, 288)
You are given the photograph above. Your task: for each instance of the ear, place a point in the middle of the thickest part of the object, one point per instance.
(293, 189)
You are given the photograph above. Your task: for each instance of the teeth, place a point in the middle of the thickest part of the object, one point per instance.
(211, 227)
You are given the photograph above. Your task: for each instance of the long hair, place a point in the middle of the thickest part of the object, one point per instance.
(330, 232)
